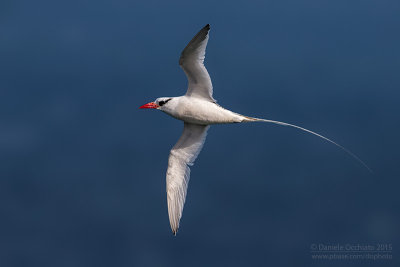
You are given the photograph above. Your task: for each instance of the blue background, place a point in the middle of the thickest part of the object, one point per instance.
(83, 169)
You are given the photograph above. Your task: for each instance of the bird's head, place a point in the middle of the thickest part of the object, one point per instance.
(160, 103)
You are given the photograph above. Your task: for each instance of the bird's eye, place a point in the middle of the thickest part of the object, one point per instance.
(162, 102)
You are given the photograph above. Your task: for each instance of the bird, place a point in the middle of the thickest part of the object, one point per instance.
(198, 110)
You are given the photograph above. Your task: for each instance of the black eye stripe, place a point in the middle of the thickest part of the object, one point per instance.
(162, 102)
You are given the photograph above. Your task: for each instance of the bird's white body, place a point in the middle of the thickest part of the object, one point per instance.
(197, 109)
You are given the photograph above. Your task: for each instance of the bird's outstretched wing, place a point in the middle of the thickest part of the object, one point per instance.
(182, 155)
(192, 63)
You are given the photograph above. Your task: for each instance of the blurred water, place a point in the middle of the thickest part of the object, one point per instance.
(82, 169)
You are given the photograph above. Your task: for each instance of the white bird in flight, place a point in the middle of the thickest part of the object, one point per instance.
(198, 110)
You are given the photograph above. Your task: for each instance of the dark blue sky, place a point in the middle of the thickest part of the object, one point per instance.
(82, 169)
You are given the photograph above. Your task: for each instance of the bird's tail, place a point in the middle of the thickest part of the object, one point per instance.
(250, 119)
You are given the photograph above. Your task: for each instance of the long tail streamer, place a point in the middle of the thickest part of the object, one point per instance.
(314, 133)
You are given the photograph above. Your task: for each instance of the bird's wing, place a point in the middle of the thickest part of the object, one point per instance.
(182, 155)
(192, 63)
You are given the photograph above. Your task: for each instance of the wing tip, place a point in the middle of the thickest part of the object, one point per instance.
(203, 33)
(206, 28)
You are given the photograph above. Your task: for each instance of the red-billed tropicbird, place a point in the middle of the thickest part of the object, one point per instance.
(198, 110)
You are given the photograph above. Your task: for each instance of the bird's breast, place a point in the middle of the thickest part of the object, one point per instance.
(204, 112)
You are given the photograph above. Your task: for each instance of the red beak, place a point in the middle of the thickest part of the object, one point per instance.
(150, 105)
